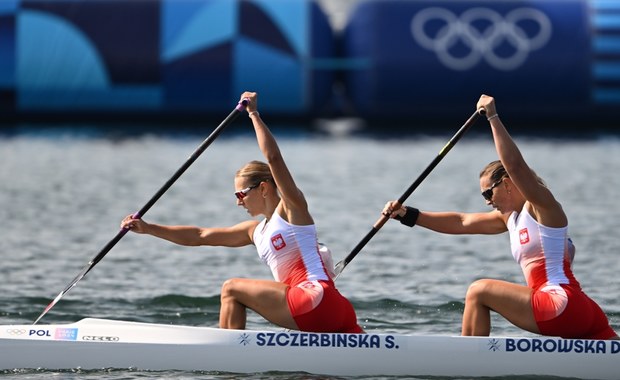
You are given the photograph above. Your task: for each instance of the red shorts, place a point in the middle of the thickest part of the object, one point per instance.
(579, 316)
(317, 306)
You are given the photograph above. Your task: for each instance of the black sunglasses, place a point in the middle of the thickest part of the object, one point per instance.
(488, 193)
(242, 193)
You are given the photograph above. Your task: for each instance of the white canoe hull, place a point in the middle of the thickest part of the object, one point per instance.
(99, 343)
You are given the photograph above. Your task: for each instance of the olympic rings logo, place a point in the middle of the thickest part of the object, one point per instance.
(482, 31)
(15, 331)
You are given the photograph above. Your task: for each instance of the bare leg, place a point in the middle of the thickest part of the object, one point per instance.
(267, 298)
(512, 301)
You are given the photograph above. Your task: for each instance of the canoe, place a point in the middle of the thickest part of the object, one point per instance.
(102, 343)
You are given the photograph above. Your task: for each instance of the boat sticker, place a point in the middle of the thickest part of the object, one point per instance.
(554, 345)
(60, 333)
(16, 331)
(294, 339)
(244, 339)
(39, 332)
(97, 338)
(495, 345)
(579, 346)
(66, 334)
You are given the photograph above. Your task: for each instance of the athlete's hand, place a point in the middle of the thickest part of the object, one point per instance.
(393, 209)
(136, 225)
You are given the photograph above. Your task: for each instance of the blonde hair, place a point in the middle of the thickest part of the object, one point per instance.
(256, 172)
(496, 172)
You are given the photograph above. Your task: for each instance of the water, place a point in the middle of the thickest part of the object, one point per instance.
(63, 193)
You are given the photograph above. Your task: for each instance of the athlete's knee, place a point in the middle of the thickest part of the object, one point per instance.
(476, 290)
(229, 287)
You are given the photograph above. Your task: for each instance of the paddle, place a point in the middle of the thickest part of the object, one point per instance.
(384, 218)
(123, 231)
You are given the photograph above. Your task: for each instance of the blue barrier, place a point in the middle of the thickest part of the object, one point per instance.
(555, 61)
(162, 56)
(430, 58)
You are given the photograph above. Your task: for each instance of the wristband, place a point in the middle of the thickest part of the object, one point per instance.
(492, 117)
(250, 114)
(410, 218)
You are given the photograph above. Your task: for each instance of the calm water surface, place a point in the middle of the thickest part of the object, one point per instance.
(64, 192)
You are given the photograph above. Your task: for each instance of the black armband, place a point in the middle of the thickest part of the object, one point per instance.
(410, 217)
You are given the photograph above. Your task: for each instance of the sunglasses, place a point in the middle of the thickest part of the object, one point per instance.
(488, 193)
(244, 192)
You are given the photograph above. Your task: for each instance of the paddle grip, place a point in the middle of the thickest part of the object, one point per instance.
(241, 105)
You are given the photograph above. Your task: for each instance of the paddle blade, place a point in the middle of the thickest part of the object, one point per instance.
(61, 294)
(339, 268)
(51, 305)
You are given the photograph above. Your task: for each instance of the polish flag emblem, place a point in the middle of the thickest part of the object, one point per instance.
(278, 242)
(524, 236)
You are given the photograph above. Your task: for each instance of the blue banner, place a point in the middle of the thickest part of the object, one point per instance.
(426, 58)
(163, 56)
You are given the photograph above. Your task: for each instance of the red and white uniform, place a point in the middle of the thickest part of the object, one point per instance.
(292, 254)
(545, 255)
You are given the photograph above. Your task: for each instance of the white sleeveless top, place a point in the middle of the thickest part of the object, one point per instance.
(290, 251)
(545, 254)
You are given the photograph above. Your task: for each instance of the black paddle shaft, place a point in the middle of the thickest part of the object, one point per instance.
(123, 231)
(384, 218)
(190, 160)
